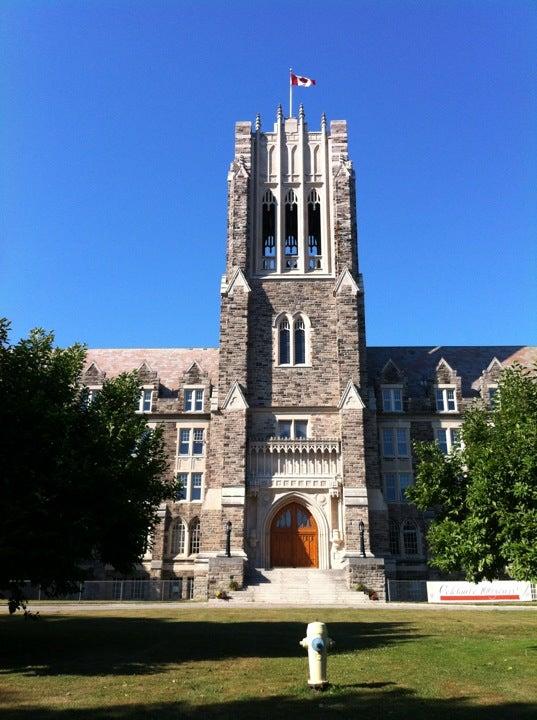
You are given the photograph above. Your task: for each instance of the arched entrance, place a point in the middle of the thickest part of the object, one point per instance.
(294, 538)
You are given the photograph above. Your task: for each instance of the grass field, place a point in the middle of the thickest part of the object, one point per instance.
(204, 663)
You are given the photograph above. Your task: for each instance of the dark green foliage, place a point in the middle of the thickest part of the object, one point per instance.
(485, 493)
(80, 482)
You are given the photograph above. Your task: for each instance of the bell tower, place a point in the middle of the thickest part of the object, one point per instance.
(293, 409)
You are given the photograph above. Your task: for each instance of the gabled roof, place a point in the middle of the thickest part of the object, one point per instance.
(420, 362)
(170, 364)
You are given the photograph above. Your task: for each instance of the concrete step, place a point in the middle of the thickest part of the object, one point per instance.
(298, 586)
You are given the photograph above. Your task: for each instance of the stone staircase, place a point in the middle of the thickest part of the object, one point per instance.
(299, 586)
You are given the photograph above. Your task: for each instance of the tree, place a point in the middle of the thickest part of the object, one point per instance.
(484, 493)
(80, 481)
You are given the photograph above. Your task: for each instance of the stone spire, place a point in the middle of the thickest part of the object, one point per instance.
(257, 122)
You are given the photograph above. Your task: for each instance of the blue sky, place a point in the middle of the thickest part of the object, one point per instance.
(117, 132)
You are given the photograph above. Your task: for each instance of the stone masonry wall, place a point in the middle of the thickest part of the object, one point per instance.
(344, 200)
(263, 425)
(238, 199)
(348, 339)
(370, 572)
(270, 385)
(222, 571)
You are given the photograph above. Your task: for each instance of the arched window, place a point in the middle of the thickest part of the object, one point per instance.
(268, 231)
(394, 537)
(314, 231)
(284, 335)
(300, 341)
(292, 338)
(177, 537)
(410, 538)
(194, 544)
(291, 231)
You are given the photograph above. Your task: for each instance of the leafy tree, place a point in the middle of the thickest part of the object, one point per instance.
(484, 493)
(80, 481)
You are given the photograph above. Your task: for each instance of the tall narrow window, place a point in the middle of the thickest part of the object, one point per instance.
(177, 537)
(268, 231)
(300, 342)
(291, 231)
(285, 344)
(184, 441)
(410, 538)
(197, 445)
(194, 545)
(314, 231)
(182, 487)
(390, 485)
(292, 339)
(394, 538)
(195, 489)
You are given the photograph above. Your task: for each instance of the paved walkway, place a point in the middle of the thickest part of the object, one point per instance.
(66, 607)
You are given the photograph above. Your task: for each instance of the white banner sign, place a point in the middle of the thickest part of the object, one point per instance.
(493, 591)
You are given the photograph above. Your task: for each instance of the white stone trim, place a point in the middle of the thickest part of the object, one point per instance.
(233, 495)
(237, 281)
(351, 400)
(346, 280)
(235, 399)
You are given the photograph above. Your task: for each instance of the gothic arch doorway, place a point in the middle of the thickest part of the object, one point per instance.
(294, 539)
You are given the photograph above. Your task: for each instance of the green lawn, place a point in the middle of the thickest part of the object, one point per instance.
(204, 663)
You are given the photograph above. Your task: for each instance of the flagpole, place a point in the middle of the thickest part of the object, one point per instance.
(290, 94)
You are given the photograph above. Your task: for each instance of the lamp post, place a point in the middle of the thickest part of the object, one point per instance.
(228, 538)
(361, 527)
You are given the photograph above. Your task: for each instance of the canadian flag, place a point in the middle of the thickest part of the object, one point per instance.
(302, 81)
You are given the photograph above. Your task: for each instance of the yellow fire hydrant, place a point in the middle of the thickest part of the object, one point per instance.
(318, 643)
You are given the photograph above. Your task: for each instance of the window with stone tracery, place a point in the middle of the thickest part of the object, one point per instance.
(177, 537)
(292, 335)
(300, 341)
(195, 537)
(290, 250)
(284, 336)
(268, 231)
(314, 231)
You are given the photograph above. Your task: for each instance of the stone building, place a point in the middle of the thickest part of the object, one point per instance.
(294, 430)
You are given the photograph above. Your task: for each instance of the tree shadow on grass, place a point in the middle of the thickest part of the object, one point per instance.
(127, 645)
(394, 704)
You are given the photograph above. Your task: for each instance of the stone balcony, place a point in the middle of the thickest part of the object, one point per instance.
(281, 462)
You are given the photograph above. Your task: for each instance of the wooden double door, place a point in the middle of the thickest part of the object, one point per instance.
(294, 538)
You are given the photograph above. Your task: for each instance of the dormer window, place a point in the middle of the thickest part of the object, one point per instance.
(492, 394)
(446, 400)
(146, 401)
(194, 400)
(291, 232)
(314, 231)
(392, 398)
(93, 393)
